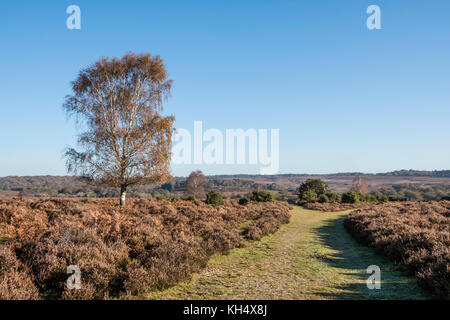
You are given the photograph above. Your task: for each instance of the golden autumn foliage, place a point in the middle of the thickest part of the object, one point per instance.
(126, 139)
(195, 184)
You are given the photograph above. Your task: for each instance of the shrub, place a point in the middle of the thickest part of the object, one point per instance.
(323, 198)
(311, 187)
(244, 201)
(350, 197)
(214, 198)
(190, 198)
(396, 198)
(370, 198)
(309, 196)
(161, 197)
(262, 196)
(380, 197)
(333, 196)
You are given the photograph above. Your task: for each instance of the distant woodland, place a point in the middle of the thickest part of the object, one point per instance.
(403, 184)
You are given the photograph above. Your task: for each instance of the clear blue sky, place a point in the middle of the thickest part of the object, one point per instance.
(344, 98)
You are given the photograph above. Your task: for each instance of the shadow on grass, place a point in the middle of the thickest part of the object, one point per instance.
(352, 259)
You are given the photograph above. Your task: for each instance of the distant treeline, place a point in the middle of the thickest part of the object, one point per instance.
(230, 186)
(70, 186)
(11, 182)
(417, 192)
(316, 190)
(14, 182)
(417, 173)
(397, 173)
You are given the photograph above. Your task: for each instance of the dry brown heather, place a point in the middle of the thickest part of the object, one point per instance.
(122, 253)
(335, 206)
(416, 234)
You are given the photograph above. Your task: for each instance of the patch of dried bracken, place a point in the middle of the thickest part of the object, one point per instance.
(335, 206)
(121, 252)
(416, 234)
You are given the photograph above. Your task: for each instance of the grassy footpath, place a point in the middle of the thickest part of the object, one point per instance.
(312, 257)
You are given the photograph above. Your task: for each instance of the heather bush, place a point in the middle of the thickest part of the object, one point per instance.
(333, 196)
(262, 196)
(415, 234)
(121, 252)
(350, 197)
(323, 199)
(309, 196)
(268, 221)
(311, 189)
(214, 198)
(334, 206)
(161, 197)
(243, 201)
(15, 282)
(190, 198)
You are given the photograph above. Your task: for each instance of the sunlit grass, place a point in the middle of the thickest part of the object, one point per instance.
(312, 257)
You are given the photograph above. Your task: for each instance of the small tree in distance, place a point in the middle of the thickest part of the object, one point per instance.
(127, 141)
(359, 185)
(195, 184)
(311, 189)
(214, 198)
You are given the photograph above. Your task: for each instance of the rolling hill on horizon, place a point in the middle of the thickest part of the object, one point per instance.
(423, 185)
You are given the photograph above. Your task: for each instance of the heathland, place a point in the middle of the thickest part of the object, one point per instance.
(243, 246)
(122, 252)
(411, 185)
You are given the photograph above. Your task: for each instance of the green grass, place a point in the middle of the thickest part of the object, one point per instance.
(312, 257)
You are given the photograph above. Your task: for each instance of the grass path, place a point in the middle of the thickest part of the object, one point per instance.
(312, 257)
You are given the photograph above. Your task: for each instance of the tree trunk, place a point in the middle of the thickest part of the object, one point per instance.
(123, 195)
